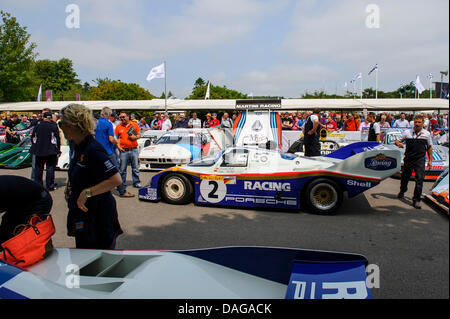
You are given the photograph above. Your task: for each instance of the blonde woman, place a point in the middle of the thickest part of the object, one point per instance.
(92, 218)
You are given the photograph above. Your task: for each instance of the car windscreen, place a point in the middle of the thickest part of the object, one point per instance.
(206, 161)
(178, 139)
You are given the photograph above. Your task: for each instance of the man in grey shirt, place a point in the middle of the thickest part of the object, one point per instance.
(418, 145)
(226, 121)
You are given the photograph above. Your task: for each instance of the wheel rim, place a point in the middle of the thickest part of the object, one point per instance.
(323, 196)
(174, 188)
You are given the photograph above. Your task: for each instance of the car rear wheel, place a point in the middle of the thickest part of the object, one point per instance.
(177, 189)
(323, 196)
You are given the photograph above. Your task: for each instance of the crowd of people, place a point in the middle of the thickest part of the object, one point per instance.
(290, 121)
(358, 122)
(166, 122)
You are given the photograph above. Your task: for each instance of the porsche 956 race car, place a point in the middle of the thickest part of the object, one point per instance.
(180, 146)
(253, 177)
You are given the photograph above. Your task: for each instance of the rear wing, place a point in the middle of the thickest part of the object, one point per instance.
(378, 164)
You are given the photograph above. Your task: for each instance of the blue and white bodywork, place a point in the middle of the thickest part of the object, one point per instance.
(253, 177)
(213, 273)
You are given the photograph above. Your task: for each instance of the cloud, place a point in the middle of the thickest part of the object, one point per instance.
(412, 38)
(116, 32)
(284, 80)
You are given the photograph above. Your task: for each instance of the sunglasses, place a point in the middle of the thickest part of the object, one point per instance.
(122, 117)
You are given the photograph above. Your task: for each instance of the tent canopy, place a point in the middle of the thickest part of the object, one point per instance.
(230, 105)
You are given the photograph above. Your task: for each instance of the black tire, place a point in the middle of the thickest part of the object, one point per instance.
(176, 189)
(323, 196)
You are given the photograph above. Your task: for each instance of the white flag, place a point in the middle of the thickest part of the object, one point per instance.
(345, 85)
(357, 76)
(207, 92)
(420, 88)
(39, 93)
(157, 72)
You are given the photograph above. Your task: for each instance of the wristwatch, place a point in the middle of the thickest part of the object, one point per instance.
(88, 193)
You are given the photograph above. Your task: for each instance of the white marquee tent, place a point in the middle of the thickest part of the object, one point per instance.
(230, 105)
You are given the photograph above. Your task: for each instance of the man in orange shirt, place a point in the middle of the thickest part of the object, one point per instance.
(127, 133)
(350, 124)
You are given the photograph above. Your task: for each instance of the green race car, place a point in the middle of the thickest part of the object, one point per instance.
(16, 156)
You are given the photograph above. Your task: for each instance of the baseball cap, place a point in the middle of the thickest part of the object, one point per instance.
(48, 115)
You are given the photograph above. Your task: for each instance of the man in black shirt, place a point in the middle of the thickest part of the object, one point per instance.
(20, 198)
(287, 122)
(11, 136)
(311, 134)
(46, 147)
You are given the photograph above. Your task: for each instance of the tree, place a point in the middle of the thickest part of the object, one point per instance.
(57, 76)
(107, 89)
(198, 83)
(163, 95)
(16, 60)
(215, 92)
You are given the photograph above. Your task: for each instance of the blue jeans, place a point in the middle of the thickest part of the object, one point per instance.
(132, 157)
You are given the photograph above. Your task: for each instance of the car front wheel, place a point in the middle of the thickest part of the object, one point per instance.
(176, 189)
(323, 196)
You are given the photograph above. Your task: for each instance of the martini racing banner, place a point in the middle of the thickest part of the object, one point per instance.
(258, 104)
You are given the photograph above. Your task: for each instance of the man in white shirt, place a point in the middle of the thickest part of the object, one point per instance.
(402, 122)
(418, 144)
(167, 124)
(195, 122)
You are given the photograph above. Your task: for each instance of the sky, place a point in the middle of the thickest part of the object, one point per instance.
(265, 48)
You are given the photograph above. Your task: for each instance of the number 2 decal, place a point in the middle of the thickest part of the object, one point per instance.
(213, 194)
(213, 191)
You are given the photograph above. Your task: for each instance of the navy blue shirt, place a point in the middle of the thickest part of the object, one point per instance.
(103, 130)
(99, 227)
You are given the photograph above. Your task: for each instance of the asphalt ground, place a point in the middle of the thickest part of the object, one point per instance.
(410, 246)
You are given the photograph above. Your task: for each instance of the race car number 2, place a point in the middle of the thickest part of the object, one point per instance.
(213, 191)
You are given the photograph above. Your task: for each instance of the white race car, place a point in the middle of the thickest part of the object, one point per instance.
(181, 146)
(64, 159)
(253, 177)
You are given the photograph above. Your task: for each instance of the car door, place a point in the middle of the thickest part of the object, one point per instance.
(225, 186)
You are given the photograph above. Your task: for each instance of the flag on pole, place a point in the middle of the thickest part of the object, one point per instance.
(77, 97)
(207, 92)
(48, 95)
(39, 93)
(345, 85)
(420, 88)
(373, 69)
(356, 77)
(157, 73)
(430, 76)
